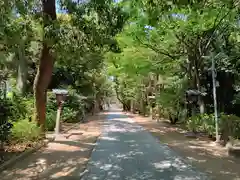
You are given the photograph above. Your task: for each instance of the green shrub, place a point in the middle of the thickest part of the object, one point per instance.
(69, 115)
(24, 130)
(230, 124)
(194, 123)
(20, 107)
(208, 123)
(50, 120)
(51, 111)
(202, 123)
(51, 102)
(5, 124)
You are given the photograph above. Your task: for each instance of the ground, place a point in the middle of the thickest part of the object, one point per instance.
(202, 153)
(64, 158)
(126, 150)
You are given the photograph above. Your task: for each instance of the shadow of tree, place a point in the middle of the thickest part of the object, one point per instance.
(201, 152)
(126, 151)
(65, 157)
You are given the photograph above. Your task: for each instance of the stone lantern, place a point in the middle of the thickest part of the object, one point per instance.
(61, 95)
(192, 97)
(151, 101)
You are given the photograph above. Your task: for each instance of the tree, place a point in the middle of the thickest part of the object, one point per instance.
(46, 62)
(98, 24)
(182, 36)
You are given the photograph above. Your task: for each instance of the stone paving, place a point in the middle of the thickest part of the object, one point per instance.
(125, 151)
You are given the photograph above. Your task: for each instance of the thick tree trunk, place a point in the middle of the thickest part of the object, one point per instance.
(45, 68)
(22, 70)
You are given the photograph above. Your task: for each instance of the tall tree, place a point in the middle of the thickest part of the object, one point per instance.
(46, 62)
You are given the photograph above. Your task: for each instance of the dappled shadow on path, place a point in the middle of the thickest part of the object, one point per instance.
(126, 151)
(201, 152)
(64, 158)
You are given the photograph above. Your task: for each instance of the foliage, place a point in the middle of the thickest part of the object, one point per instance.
(194, 123)
(70, 115)
(228, 124)
(5, 124)
(50, 120)
(25, 131)
(167, 48)
(72, 45)
(171, 97)
(72, 108)
(231, 124)
(201, 123)
(150, 48)
(21, 107)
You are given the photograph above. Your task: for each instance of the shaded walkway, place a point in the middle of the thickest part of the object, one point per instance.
(126, 151)
(63, 159)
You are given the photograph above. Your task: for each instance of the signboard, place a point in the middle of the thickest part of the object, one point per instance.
(151, 97)
(60, 91)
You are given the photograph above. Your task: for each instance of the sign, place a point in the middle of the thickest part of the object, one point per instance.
(60, 91)
(151, 97)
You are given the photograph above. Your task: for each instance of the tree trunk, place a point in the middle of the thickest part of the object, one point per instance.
(132, 106)
(22, 70)
(200, 98)
(45, 68)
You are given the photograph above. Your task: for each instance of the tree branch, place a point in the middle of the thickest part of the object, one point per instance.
(215, 27)
(156, 49)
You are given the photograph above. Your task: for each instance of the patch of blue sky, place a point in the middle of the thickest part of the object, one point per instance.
(60, 10)
(111, 78)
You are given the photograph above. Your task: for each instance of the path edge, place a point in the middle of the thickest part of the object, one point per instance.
(193, 167)
(24, 154)
(28, 152)
(85, 170)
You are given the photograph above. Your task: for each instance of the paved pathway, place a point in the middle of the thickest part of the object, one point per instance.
(126, 151)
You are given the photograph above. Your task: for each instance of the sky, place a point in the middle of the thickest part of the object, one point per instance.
(58, 9)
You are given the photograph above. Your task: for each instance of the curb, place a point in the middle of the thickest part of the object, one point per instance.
(22, 155)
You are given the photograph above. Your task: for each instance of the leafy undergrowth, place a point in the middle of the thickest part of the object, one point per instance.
(201, 152)
(23, 140)
(25, 135)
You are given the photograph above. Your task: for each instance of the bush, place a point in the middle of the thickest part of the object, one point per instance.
(20, 107)
(51, 102)
(24, 130)
(70, 115)
(50, 120)
(230, 126)
(202, 123)
(5, 124)
(208, 124)
(194, 123)
(51, 111)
